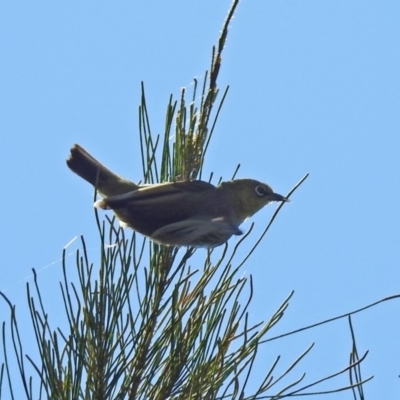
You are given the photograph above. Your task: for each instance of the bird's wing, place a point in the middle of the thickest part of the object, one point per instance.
(196, 232)
(164, 194)
(153, 208)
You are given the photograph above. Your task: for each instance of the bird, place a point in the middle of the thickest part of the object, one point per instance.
(191, 213)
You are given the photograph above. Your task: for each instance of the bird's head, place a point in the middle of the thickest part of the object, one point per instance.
(250, 196)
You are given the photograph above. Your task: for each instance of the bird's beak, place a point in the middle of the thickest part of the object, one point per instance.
(278, 197)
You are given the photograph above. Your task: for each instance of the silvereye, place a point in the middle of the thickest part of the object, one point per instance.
(187, 213)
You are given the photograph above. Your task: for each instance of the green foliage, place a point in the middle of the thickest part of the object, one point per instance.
(152, 322)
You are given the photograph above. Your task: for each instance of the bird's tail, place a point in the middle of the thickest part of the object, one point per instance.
(88, 168)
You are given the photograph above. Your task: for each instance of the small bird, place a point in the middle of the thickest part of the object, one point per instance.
(186, 213)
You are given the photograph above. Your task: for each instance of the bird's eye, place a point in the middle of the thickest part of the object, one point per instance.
(261, 191)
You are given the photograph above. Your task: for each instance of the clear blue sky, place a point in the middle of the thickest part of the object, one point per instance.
(314, 88)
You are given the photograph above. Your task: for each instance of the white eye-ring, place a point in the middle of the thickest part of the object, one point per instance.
(261, 191)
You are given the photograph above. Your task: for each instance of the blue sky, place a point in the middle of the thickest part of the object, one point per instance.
(314, 88)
